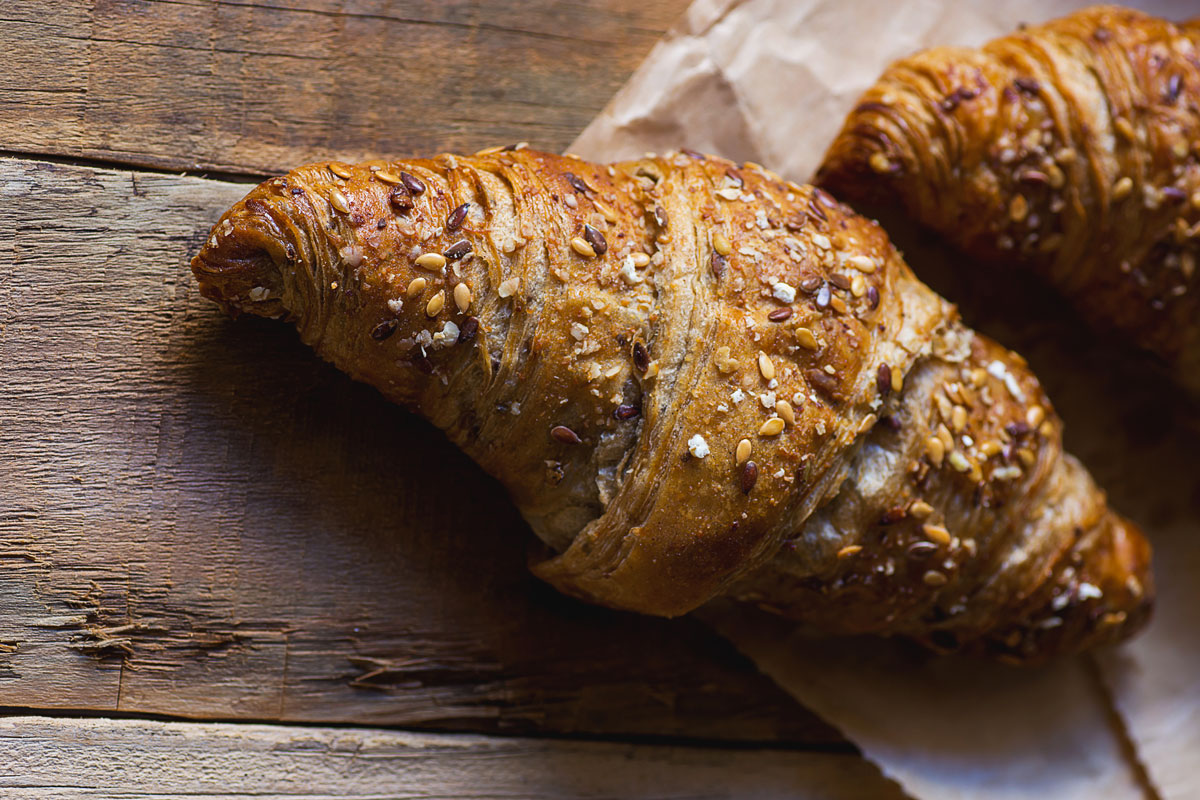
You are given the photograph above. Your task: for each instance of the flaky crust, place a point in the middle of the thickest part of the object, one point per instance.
(694, 380)
(1072, 148)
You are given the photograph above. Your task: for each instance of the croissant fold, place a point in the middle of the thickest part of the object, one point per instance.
(696, 380)
(1072, 148)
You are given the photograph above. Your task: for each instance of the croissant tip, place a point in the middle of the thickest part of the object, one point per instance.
(237, 267)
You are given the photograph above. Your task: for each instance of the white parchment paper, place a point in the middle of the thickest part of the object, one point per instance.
(771, 81)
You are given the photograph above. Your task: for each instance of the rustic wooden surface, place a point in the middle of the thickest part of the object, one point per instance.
(256, 87)
(61, 758)
(199, 519)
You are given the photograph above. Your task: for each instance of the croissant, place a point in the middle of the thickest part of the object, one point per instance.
(697, 380)
(1072, 148)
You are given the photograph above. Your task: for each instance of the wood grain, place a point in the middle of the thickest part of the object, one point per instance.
(256, 87)
(199, 519)
(60, 758)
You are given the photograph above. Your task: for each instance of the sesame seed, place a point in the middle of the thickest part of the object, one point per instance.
(1125, 128)
(862, 264)
(920, 509)
(384, 329)
(455, 220)
(749, 476)
(416, 287)
(721, 244)
(609, 215)
(1034, 416)
(457, 250)
(431, 261)
(935, 450)
(489, 151)
(626, 412)
(640, 259)
(1122, 188)
(462, 297)
(412, 183)
(780, 315)
(772, 427)
(933, 578)
(766, 366)
(469, 328)
(339, 201)
(784, 409)
(858, 286)
(937, 534)
(959, 461)
(581, 247)
(341, 170)
(508, 287)
(565, 435)
(958, 419)
(435, 304)
(742, 452)
(387, 177)
(849, 550)
(596, 239)
(880, 163)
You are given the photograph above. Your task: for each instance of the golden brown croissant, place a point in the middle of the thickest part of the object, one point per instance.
(1071, 147)
(697, 380)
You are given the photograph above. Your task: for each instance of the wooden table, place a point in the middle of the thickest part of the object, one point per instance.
(199, 521)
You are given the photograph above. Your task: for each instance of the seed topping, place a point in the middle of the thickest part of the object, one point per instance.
(641, 357)
(412, 183)
(626, 411)
(431, 261)
(455, 220)
(462, 297)
(772, 427)
(766, 366)
(749, 476)
(596, 239)
(384, 329)
(565, 435)
(435, 304)
(469, 328)
(580, 246)
(339, 201)
(741, 453)
(457, 250)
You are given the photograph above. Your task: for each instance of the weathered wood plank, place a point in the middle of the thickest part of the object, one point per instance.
(59, 758)
(256, 87)
(197, 518)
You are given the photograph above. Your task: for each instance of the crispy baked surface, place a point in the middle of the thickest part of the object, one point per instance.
(1072, 148)
(695, 379)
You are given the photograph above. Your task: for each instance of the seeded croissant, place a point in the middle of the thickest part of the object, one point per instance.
(697, 380)
(1072, 148)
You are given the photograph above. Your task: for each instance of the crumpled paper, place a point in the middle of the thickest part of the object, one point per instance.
(771, 81)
